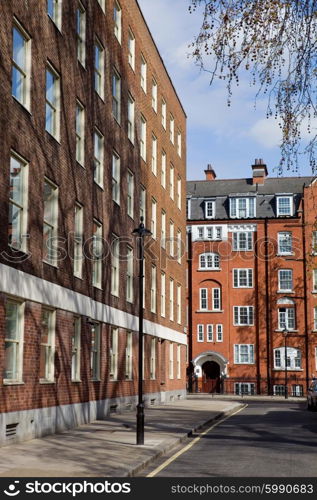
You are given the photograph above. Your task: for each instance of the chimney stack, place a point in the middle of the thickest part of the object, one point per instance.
(259, 171)
(210, 173)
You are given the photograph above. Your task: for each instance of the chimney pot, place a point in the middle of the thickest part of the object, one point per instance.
(259, 171)
(210, 173)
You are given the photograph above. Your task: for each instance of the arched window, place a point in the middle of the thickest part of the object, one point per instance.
(209, 261)
(293, 358)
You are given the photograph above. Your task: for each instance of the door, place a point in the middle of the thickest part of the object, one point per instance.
(211, 377)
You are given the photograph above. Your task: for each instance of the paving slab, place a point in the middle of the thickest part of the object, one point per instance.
(107, 448)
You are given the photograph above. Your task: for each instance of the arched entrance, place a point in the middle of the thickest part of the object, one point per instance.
(211, 377)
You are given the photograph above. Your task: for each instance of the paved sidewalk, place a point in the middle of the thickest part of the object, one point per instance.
(107, 448)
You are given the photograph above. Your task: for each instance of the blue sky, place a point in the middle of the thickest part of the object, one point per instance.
(228, 138)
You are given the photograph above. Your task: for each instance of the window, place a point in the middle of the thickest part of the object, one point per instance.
(179, 143)
(130, 193)
(285, 243)
(218, 233)
(242, 278)
(97, 255)
(244, 389)
(81, 34)
(200, 333)
(116, 178)
(243, 315)
(50, 223)
(293, 358)
(172, 128)
(129, 282)
(178, 361)
(154, 154)
(172, 181)
(210, 209)
(131, 49)
(76, 341)
(279, 390)
(18, 203)
(143, 138)
(153, 289)
(54, 10)
(297, 391)
(219, 333)
(99, 70)
(78, 240)
(210, 333)
(203, 299)
(143, 203)
(200, 232)
(131, 126)
(115, 266)
(163, 171)
(52, 109)
(13, 341)
(143, 73)
(163, 294)
(163, 229)
(113, 372)
(171, 299)
(244, 353)
(21, 66)
(80, 133)
(153, 218)
(95, 352)
(286, 318)
(209, 261)
(179, 246)
(116, 96)
(179, 193)
(315, 318)
(98, 157)
(285, 280)
(242, 208)
(47, 345)
(154, 95)
(153, 359)
(171, 361)
(128, 357)
(314, 280)
(179, 304)
(314, 242)
(216, 299)
(284, 205)
(117, 17)
(164, 114)
(171, 239)
(102, 4)
(242, 240)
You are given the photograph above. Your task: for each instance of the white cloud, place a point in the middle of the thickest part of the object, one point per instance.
(266, 132)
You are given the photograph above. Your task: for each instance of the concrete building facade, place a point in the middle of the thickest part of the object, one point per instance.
(252, 281)
(92, 137)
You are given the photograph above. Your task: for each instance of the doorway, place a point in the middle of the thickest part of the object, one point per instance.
(211, 377)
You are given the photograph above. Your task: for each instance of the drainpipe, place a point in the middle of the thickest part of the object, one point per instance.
(267, 307)
(190, 308)
(257, 319)
(305, 289)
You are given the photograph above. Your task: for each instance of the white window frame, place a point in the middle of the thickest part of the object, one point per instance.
(129, 356)
(143, 74)
(76, 349)
(164, 114)
(80, 133)
(50, 253)
(282, 237)
(116, 95)
(238, 311)
(115, 266)
(243, 275)
(179, 193)
(314, 242)
(18, 205)
(242, 207)
(163, 229)
(210, 209)
(281, 281)
(244, 388)
(163, 294)
(171, 301)
(54, 105)
(171, 361)
(154, 95)
(153, 359)
(131, 118)
(130, 194)
(179, 304)
(78, 240)
(102, 4)
(242, 246)
(178, 361)
(163, 169)
(143, 125)
(314, 280)
(171, 239)
(292, 356)
(219, 333)
(172, 184)
(179, 246)
(56, 14)
(18, 341)
(246, 357)
(95, 351)
(216, 299)
(200, 333)
(117, 18)
(143, 204)
(116, 177)
(153, 217)
(154, 155)
(98, 157)
(23, 71)
(153, 289)
(286, 318)
(179, 143)
(209, 261)
(99, 68)
(113, 364)
(281, 212)
(172, 129)
(81, 34)
(49, 346)
(210, 333)
(130, 275)
(97, 254)
(203, 299)
(131, 49)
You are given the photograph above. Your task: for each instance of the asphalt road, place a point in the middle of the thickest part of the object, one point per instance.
(263, 440)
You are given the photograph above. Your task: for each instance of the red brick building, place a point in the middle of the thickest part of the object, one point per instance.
(92, 136)
(252, 282)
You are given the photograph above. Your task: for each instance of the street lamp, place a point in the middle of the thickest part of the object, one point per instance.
(140, 232)
(285, 333)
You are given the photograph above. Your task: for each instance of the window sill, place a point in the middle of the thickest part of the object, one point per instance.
(24, 250)
(47, 382)
(286, 254)
(248, 326)
(115, 294)
(13, 382)
(57, 139)
(50, 264)
(285, 291)
(114, 379)
(96, 380)
(100, 96)
(118, 122)
(128, 379)
(99, 287)
(288, 370)
(99, 185)
(243, 287)
(289, 331)
(78, 277)
(236, 363)
(217, 269)
(76, 381)
(313, 331)
(211, 311)
(314, 292)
